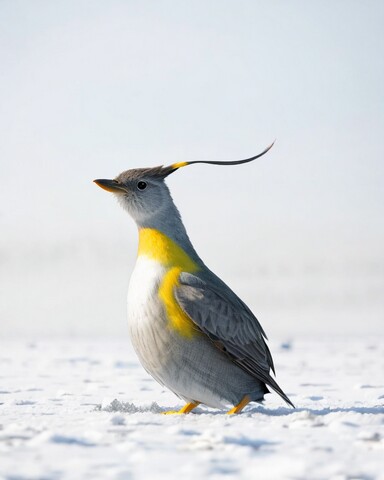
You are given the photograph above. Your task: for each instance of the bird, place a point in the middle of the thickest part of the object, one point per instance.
(190, 331)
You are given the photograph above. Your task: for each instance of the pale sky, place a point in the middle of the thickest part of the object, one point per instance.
(91, 88)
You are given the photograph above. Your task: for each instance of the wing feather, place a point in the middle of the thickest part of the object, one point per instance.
(230, 324)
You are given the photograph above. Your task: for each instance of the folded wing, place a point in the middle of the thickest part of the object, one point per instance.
(230, 324)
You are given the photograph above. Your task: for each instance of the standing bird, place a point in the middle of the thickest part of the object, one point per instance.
(191, 332)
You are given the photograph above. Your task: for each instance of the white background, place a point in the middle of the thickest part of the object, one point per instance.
(91, 88)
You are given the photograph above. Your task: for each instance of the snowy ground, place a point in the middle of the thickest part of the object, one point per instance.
(86, 409)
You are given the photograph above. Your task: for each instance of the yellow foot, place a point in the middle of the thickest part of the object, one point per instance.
(238, 408)
(186, 409)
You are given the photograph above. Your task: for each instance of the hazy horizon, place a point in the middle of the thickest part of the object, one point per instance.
(91, 89)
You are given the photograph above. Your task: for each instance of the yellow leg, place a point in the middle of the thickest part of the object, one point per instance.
(186, 409)
(238, 408)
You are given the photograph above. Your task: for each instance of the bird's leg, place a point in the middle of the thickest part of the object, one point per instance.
(239, 407)
(186, 409)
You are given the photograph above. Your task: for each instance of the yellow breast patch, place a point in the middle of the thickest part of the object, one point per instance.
(157, 246)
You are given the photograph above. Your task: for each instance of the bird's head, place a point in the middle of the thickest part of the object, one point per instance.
(143, 192)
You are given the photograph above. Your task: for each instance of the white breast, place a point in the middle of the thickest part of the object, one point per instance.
(143, 286)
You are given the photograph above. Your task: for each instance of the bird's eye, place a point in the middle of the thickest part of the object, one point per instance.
(142, 185)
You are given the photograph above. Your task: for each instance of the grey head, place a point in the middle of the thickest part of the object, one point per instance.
(142, 192)
(146, 197)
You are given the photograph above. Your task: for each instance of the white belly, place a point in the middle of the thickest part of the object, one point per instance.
(146, 320)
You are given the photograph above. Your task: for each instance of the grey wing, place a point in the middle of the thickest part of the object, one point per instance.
(230, 324)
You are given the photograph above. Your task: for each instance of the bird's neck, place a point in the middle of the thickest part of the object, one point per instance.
(165, 239)
(155, 245)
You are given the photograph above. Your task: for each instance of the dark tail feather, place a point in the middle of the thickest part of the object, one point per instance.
(273, 384)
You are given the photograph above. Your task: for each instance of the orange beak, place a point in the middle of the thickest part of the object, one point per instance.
(111, 185)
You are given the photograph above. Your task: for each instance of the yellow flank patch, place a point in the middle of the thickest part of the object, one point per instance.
(178, 319)
(157, 246)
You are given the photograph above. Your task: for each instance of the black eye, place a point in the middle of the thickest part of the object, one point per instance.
(141, 185)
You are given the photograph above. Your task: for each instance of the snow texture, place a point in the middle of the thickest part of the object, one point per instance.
(87, 410)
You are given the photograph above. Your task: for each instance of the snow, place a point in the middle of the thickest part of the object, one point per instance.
(85, 409)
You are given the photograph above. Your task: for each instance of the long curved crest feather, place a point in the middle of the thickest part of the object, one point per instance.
(175, 166)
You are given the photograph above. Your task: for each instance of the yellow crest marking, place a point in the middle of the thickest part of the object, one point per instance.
(157, 246)
(179, 164)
